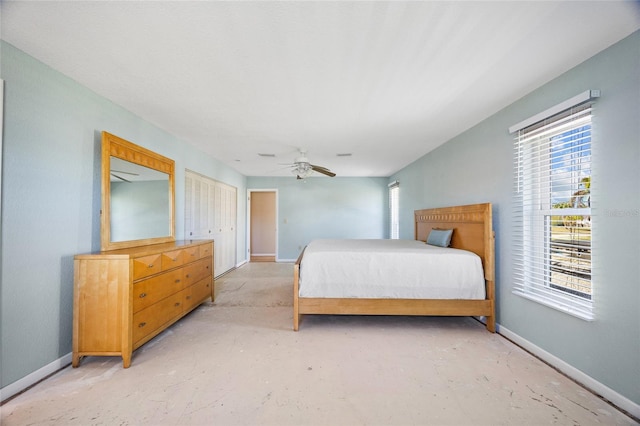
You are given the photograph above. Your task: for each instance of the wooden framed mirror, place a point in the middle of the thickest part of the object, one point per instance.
(138, 197)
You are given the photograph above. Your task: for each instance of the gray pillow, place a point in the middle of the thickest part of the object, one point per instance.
(440, 237)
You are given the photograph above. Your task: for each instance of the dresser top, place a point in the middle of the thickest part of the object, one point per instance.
(143, 250)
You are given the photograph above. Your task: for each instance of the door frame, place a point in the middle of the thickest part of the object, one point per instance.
(249, 191)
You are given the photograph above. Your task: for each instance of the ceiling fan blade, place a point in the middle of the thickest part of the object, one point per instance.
(120, 177)
(322, 170)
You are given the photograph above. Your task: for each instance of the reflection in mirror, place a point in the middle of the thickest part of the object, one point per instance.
(139, 202)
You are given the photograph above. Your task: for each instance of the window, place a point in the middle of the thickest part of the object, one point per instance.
(552, 244)
(394, 210)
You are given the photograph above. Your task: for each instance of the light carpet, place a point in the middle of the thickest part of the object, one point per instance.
(256, 285)
(238, 362)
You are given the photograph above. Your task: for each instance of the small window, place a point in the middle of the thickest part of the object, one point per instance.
(394, 210)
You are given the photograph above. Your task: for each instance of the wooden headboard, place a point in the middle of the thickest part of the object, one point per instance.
(472, 230)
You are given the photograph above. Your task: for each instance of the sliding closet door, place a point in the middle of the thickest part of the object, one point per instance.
(225, 227)
(199, 207)
(210, 213)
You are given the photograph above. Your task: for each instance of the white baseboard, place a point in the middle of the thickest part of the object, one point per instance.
(585, 380)
(286, 260)
(33, 378)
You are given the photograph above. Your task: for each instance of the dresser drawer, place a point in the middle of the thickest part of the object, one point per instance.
(202, 289)
(197, 293)
(191, 254)
(171, 259)
(147, 265)
(151, 290)
(206, 250)
(207, 266)
(196, 271)
(192, 273)
(155, 316)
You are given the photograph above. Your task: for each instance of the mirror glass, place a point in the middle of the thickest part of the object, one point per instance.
(139, 202)
(138, 199)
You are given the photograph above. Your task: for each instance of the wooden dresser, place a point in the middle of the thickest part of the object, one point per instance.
(123, 298)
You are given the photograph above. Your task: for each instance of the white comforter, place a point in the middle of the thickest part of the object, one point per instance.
(398, 269)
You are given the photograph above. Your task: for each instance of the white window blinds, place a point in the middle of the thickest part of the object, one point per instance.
(552, 244)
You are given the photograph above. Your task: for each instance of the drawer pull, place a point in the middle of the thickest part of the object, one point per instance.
(177, 304)
(150, 265)
(188, 276)
(143, 295)
(177, 281)
(142, 324)
(188, 297)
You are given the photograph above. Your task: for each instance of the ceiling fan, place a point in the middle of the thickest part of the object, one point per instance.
(302, 168)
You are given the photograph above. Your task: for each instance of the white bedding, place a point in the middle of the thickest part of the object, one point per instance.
(398, 269)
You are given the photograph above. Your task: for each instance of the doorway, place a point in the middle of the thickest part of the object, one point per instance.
(263, 229)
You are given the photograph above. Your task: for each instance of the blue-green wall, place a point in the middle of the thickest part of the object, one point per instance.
(322, 207)
(476, 166)
(51, 201)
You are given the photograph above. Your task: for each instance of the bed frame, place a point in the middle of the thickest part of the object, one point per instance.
(473, 231)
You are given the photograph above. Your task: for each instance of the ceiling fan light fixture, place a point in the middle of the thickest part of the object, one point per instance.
(302, 170)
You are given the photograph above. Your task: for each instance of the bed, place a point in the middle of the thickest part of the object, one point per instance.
(472, 233)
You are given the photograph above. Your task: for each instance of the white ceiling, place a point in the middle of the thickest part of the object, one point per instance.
(384, 81)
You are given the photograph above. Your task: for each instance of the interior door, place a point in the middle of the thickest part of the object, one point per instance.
(263, 226)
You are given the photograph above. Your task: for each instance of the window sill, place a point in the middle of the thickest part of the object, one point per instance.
(581, 314)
